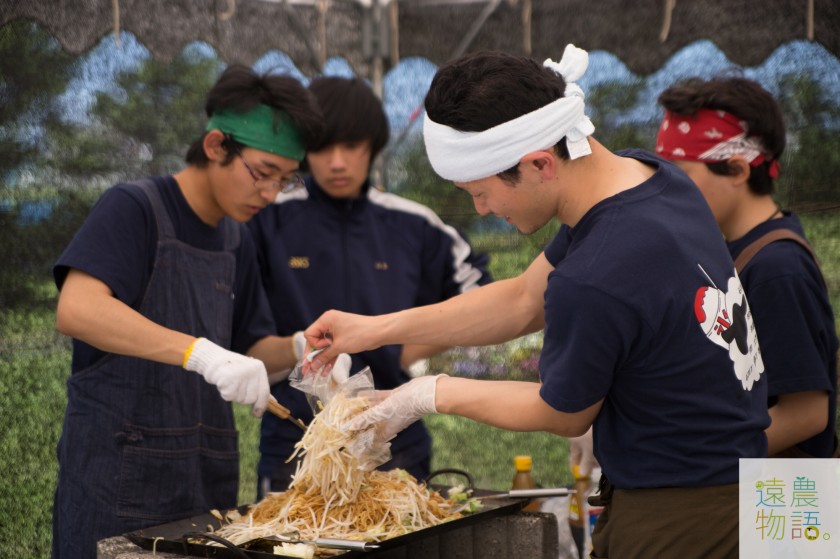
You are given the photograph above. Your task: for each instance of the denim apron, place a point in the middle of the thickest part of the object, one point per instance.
(146, 443)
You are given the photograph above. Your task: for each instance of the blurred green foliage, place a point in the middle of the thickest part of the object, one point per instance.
(28, 90)
(35, 225)
(34, 363)
(811, 162)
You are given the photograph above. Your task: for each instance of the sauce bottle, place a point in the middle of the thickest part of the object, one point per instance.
(578, 510)
(524, 480)
(595, 510)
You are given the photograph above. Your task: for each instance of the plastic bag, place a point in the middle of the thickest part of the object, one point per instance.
(320, 387)
(369, 449)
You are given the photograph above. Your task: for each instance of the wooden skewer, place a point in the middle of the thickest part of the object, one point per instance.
(283, 412)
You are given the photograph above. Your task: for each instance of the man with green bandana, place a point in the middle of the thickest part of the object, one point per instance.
(159, 290)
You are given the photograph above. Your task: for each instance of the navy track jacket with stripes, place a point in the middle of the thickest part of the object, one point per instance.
(376, 254)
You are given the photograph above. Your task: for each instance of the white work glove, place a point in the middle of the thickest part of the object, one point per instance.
(298, 347)
(239, 378)
(338, 370)
(397, 409)
(341, 368)
(581, 453)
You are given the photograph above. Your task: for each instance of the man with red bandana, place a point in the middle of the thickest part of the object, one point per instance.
(727, 134)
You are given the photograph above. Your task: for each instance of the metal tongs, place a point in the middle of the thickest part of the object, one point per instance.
(283, 412)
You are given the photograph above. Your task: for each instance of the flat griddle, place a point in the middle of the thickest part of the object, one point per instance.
(170, 537)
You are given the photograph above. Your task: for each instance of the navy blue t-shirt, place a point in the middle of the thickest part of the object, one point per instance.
(644, 310)
(117, 244)
(794, 320)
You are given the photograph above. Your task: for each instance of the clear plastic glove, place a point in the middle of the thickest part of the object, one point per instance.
(397, 409)
(321, 388)
(239, 378)
(581, 453)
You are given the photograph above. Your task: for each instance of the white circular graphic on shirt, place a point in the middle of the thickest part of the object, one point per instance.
(726, 320)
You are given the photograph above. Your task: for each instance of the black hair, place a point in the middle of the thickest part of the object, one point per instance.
(484, 89)
(241, 89)
(743, 98)
(352, 113)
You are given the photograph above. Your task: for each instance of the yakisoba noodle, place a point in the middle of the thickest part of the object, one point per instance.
(328, 468)
(331, 497)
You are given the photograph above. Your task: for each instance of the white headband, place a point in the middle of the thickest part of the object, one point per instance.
(467, 156)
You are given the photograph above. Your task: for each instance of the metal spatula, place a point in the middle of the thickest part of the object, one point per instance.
(518, 494)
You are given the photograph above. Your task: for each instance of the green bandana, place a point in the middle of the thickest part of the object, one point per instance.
(256, 129)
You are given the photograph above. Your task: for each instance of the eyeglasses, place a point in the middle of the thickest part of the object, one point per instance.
(273, 185)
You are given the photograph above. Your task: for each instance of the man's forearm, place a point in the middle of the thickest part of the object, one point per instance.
(489, 315)
(413, 353)
(275, 351)
(511, 405)
(796, 417)
(88, 311)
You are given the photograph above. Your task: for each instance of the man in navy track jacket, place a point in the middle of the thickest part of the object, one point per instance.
(342, 244)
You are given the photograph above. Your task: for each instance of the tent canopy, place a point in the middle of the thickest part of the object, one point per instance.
(375, 34)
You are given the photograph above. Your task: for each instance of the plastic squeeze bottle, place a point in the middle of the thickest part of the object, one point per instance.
(578, 510)
(594, 511)
(524, 480)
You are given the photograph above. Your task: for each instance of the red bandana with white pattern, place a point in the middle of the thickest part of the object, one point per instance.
(709, 136)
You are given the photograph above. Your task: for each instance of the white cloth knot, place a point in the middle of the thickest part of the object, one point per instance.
(572, 66)
(467, 156)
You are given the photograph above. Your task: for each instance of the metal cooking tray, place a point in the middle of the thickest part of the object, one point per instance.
(170, 537)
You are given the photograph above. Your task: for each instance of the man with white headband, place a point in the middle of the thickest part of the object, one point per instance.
(647, 333)
(728, 134)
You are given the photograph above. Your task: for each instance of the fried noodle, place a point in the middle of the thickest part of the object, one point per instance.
(331, 496)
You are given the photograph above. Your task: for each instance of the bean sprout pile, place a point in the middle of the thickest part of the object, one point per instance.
(331, 496)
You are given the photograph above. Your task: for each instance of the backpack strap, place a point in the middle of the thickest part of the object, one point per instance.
(746, 255)
(776, 235)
